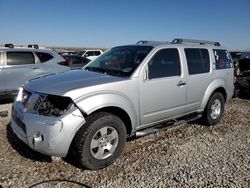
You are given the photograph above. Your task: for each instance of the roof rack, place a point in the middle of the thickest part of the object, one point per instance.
(9, 45)
(151, 41)
(201, 42)
(33, 46)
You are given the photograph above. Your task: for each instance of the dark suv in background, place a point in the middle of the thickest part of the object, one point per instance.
(241, 61)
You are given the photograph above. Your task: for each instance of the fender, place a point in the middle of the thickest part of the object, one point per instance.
(98, 100)
(215, 84)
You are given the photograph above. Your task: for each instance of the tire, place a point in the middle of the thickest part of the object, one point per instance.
(214, 109)
(100, 141)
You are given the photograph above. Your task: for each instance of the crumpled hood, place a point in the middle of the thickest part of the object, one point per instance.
(60, 83)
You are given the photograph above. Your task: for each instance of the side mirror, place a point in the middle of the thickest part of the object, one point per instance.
(86, 55)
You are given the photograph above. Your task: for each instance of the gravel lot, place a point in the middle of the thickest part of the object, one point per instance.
(184, 156)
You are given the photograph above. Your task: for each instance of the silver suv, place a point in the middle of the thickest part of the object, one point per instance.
(17, 65)
(130, 90)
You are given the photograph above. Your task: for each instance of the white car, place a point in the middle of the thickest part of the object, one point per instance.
(90, 54)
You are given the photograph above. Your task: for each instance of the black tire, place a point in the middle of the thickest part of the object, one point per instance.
(81, 145)
(208, 117)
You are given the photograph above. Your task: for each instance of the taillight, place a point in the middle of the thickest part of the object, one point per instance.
(65, 62)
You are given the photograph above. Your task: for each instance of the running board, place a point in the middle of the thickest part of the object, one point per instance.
(167, 125)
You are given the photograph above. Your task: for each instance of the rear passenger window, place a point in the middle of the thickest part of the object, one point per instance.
(43, 57)
(90, 53)
(20, 58)
(165, 63)
(222, 59)
(97, 53)
(197, 60)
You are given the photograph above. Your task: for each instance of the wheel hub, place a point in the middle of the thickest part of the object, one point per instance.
(216, 109)
(104, 142)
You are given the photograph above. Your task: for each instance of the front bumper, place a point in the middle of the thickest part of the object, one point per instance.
(48, 135)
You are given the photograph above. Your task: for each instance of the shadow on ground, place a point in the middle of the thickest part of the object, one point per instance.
(245, 95)
(23, 149)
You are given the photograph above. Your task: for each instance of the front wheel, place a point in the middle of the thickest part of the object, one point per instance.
(214, 109)
(100, 141)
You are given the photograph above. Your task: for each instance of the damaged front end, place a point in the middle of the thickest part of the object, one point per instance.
(47, 123)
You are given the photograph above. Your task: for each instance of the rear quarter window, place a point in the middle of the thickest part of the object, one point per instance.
(43, 57)
(222, 59)
(20, 58)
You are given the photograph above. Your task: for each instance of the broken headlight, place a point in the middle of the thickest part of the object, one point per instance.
(54, 105)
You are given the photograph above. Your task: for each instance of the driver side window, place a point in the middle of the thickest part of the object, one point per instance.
(165, 63)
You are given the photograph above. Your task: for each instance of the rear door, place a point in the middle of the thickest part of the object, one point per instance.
(20, 67)
(2, 85)
(199, 76)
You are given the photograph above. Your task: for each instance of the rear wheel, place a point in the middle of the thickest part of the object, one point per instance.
(214, 109)
(100, 141)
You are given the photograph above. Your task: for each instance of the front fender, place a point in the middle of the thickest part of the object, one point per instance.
(215, 84)
(96, 101)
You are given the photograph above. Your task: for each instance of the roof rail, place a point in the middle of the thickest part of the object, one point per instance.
(33, 46)
(151, 41)
(9, 45)
(201, 42)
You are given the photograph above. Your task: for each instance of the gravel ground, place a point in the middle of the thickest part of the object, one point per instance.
(183, 156)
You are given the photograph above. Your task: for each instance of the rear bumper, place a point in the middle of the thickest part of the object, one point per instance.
(48, 135)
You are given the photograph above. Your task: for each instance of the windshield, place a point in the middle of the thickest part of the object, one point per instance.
(120, 61)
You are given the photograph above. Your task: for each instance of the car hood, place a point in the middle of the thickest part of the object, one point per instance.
(60, 83)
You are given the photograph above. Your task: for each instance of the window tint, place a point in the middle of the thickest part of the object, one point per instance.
(20, 58)
(197, 60)
(97, 53)
(222, 59)
(44, 56)
(90, 53)
(164, 63)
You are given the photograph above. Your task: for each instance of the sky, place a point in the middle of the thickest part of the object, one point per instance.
(108, 23)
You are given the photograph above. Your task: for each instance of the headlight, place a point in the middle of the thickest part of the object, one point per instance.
(54, 105)
(20, 95)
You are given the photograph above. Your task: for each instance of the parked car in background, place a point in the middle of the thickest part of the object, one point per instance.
(17, 65)
(74, 61)
(241, 61)
(68, 53)
(90, 54)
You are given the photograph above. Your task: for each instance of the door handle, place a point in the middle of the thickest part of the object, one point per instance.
(181, 83)
(34, 68)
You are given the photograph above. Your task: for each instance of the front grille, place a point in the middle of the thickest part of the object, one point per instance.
(38, 102)
(19, 122)
(32, 101)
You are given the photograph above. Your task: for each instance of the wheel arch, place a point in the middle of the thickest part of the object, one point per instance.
(119, 112)
(215, 86)
(113, 103)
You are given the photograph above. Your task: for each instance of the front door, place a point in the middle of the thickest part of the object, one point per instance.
(163, 91)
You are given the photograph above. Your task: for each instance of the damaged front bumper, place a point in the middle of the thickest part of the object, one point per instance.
(49, 135)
